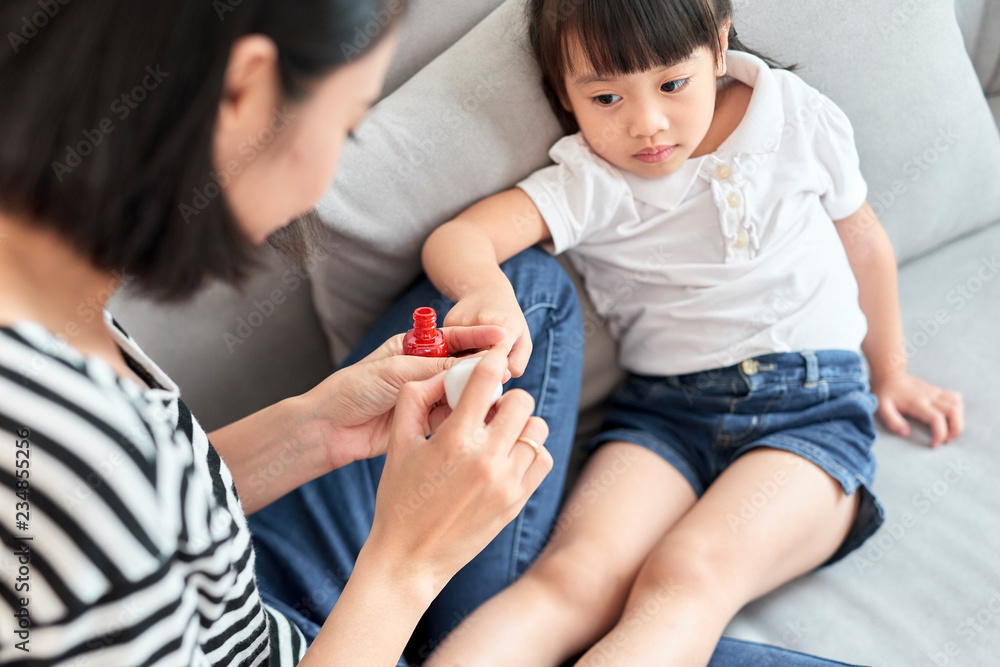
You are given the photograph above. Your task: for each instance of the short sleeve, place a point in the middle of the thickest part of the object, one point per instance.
(844, 188)
(578, 195)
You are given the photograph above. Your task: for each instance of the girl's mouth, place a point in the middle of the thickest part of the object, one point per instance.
(655, 154)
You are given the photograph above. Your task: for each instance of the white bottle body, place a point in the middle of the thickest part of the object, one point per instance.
(458, 376)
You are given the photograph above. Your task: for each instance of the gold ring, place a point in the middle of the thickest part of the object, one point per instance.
(531, 443)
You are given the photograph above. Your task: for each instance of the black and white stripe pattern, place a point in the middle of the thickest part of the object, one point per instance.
(141, 553)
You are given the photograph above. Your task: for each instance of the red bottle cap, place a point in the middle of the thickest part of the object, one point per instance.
(425, 339)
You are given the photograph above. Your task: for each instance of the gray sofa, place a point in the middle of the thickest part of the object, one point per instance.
(920, 81)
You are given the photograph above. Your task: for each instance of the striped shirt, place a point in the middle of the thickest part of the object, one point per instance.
(139, 551)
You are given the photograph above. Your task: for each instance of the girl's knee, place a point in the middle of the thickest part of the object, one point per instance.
(683, 565)
(577, 577)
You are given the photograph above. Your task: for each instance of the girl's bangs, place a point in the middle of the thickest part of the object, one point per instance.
(624, 38)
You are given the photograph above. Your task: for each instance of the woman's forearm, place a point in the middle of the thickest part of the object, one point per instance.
(272, 451)
(374, 616)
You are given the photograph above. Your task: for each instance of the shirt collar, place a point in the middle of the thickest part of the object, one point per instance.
(759, 132)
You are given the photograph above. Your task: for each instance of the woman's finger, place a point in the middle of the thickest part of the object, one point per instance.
(389, 348)
(535, 474)
(437, 416)
(522, 451)
(415, 403)
(513, 411)
(459, 339)
(477, 397)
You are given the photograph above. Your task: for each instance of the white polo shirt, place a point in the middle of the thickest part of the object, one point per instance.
(732, 256)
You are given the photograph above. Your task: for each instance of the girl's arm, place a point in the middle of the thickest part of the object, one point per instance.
(874, 264)
(462, 258)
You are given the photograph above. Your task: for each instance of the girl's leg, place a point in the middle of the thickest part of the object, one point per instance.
(307, 541)
(716, 559)
(625, 500)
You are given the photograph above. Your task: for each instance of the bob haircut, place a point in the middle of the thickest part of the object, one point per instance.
(107, 124)
(623, 37)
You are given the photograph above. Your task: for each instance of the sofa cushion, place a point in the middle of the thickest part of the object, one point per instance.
(929, 147)
(428, 28)
(474, 121)
(925, 590)
(233, 352)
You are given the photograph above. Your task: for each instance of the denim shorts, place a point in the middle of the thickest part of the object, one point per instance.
(813, 404)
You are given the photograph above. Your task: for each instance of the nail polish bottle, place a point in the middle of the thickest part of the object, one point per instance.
(425, 339)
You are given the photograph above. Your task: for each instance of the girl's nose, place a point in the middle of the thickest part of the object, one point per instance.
(647, 119)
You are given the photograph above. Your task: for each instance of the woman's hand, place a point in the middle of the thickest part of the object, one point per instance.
(440, 501)
(903, 395)
(443, 499)
(498, 307)
(354, 407)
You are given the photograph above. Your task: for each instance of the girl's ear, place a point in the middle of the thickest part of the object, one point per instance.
(721, 65)
(564, 101)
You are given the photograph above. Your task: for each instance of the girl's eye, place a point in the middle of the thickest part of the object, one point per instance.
(606, 100)
(674, 86)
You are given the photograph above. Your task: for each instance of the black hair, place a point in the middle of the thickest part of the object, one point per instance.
(624, 37)
(108, 117)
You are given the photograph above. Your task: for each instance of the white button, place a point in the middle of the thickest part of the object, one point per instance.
(734, 200)
(750, 366)
(722, 171)
(741, 239)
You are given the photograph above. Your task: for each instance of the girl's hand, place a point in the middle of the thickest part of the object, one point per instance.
(354, 407)
(905, 395)
(442, 499)
(498, 307)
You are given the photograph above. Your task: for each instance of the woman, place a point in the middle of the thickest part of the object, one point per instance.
(160, 144)
(117, 116)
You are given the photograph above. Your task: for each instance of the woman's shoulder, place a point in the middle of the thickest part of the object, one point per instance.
(119, 505)
(43, 376)
(102, 448)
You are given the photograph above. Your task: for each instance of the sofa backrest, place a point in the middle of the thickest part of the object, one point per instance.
(281, 349)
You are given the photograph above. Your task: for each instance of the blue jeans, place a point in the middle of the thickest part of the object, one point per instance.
(306, 543)
(813, 404)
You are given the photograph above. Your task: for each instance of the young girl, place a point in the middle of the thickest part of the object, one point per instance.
(717, 213)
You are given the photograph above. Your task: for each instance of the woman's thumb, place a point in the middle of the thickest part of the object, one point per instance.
(415, 402)
(401, 369)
